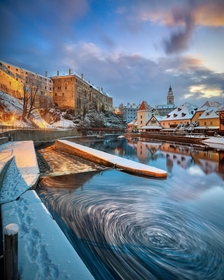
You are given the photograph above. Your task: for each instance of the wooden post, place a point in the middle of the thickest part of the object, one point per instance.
(11, 252)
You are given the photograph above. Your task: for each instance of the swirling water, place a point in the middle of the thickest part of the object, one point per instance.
(130, 227)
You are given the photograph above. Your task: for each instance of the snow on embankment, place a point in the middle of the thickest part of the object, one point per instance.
(215, 142)
(109, 160)
(43, 250)
(22, 173)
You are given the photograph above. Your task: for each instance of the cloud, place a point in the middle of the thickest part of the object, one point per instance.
(205, 91)
(131, 77)
(184, 17)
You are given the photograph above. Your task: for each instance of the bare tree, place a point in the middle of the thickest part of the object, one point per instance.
(31, 90)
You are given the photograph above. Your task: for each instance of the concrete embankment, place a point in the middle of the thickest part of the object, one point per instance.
(109, 160)
(43, 250)
(168, 137)
(39, 134)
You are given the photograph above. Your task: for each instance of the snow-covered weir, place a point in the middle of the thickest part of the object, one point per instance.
(109, 160)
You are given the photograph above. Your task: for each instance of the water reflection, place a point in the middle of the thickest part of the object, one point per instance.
(129, 227)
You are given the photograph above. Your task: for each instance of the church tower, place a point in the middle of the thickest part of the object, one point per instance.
(170, 97)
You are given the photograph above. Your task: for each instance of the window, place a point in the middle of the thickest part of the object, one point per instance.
(55, 94)
(204, 123)
(210, 123)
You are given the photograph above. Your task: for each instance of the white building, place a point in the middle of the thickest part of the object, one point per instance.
(130, 112)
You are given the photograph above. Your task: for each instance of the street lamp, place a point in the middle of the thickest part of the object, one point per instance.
(13, 121)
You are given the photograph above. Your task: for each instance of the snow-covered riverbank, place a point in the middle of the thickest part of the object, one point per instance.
(43, 250)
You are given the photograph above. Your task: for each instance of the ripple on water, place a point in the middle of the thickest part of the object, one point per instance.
(141, 237)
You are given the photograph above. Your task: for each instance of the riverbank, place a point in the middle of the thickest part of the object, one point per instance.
(43, 250)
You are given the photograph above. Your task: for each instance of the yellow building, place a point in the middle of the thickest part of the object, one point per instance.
(18, 77)
(74, 93)
(9, 84)
(207, 117)
(144, 113)
(181, 115)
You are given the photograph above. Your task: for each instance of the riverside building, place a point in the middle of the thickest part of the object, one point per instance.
(13, 78)
(130, 112)
(72, 92)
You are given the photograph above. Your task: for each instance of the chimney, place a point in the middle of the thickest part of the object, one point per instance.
(57, 73)
(69, 71)
(46, 74)
(82, 76)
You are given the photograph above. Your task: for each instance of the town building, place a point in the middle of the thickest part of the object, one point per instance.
(163, 110)
(72, 92)
(206, 117)
(14, 78)
(181, 115)
(220, 113)
(144, 113)
(153, 124)
(130, 112)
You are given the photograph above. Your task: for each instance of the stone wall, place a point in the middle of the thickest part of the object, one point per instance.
(39, 135)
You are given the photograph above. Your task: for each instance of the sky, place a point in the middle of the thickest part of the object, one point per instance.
(133, 49)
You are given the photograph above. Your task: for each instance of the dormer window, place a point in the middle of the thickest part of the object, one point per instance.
(168, 116)
(174, 115)
(179, 109)
(183, 114)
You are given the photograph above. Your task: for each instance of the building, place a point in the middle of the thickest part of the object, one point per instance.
(144, 113)
(220, 113)
(13, 79)
(130, 112)
(153, 124)
(74, 93)
(8, 82)
(163, 110)
(181, 115)
(206, 117)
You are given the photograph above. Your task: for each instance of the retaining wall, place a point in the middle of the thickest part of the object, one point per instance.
(39, 134)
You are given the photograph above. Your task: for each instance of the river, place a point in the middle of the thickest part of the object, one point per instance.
(130, 227)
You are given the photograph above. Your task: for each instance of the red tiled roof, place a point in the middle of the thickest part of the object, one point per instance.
(144, 106)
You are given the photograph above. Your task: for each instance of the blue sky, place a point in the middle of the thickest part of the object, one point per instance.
(133, 49)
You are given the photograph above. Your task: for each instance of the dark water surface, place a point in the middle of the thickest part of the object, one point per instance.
(130, 227)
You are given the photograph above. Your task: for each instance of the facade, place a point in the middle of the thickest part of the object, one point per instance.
(153, 124)
(130, 112)
(181, 115)
(143, 115)
(206, 117)
(220, 113)
(74, 93)
(163, 110)
(12, 79)
(8, 82)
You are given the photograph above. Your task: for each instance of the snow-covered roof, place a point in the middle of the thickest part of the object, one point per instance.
(151, 127)
(209, 113)
(208, 104)
(131, 106)
(206, 127)
(183, 112)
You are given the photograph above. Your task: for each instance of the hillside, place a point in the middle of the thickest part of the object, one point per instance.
(11, 112)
